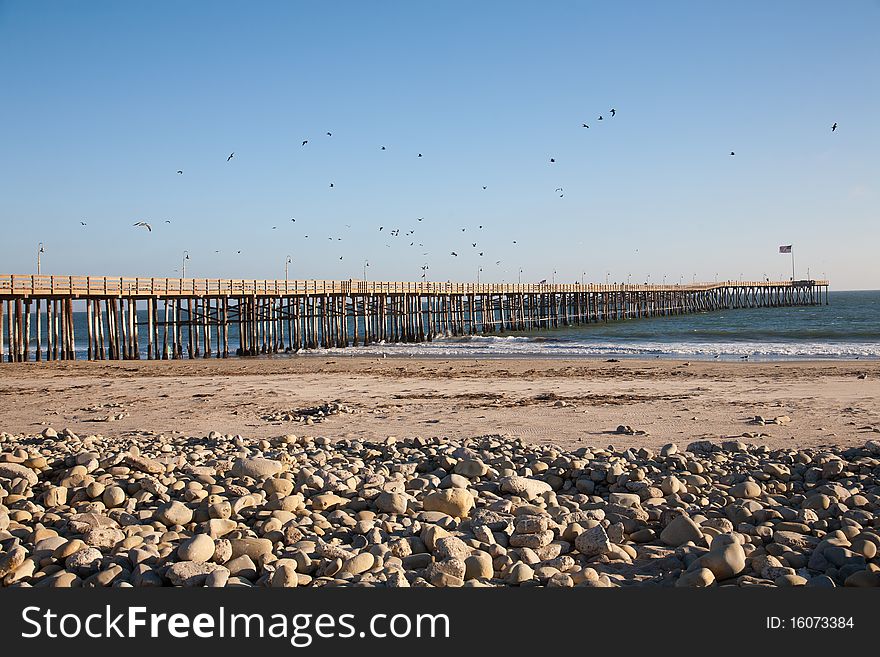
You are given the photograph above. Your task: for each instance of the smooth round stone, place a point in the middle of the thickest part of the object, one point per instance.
(790, 580)
(358, 564)
(198, 548)
(681, 530)
(520, 573)
(863, 578)
(455, 502)
(698, 578)
(746, 490)
(478, 566)
(113, 497)
(391, 503)
(174, 513)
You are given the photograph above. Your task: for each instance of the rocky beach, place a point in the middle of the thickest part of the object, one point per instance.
(310, 506)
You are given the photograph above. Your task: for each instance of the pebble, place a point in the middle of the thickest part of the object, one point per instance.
(487, 511)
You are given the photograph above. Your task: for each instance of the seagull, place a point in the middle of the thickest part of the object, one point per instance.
(329, 134)
(340, 257)
(600, 118)
(380, 228)
(613, 111)
(218, 251)
(420, 154)
(331, 184)
(383, 148)
(497, 262)
(474, 244)
(168, 221)
(420, 218)
(558, 189)
(481, 227)
(305, 141)
(274, 227)
(552, 160)
(514, 241)
(484, 187)
(180, 171)
(293, 220)
(144, 224)
(732, 153)
(455, 254)
(239, 251)
(462, 230)
(230, 156)
(83, 223)
(834, 127)
(481, 253)
(584, 125)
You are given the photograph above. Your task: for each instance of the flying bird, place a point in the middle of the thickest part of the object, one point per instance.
(144, 224)
(305, 141)
(600, 118)
(481, 253)
(231, 155)
(474, 244)
(380, 228)
(558, 189)
(584, 125)
(834, 127)
(168, 221)
(293, 220)
(383, 148)
(613, 111)
(83, 223)
(329, 134)
(420, 218)
(552, 160)
(480, 227)
(462, 230)
(420, 154)
(340, 257)
(484, 187)
(331, 184)
(732, 153)
(454, 253)
(180, 171)
(274, 227)
(239, 251)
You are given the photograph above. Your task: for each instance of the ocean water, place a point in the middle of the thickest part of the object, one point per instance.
(847, 328)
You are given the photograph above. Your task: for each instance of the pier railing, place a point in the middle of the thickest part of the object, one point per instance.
(24, 285)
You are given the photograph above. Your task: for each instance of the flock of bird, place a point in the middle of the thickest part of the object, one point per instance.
(395, 232)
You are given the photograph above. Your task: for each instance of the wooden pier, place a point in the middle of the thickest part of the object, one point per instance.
(170, 318)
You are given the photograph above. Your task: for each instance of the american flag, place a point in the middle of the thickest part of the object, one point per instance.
(785, 249)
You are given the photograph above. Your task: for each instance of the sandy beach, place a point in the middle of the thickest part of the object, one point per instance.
(570, 403)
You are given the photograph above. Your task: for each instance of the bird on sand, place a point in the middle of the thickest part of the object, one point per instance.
(834, 127)
(613, 111)
(144, 224)
(231, 155)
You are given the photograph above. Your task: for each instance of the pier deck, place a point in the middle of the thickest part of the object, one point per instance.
(161, 318)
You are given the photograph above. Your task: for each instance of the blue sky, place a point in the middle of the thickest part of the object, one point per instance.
(103, 102)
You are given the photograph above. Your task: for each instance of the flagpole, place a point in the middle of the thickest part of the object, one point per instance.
(792, 263)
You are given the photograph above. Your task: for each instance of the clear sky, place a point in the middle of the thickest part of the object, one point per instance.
(101, 103)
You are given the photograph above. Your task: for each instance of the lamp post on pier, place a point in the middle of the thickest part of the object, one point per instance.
(39, 251)
(286, 263)
(185, 258)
